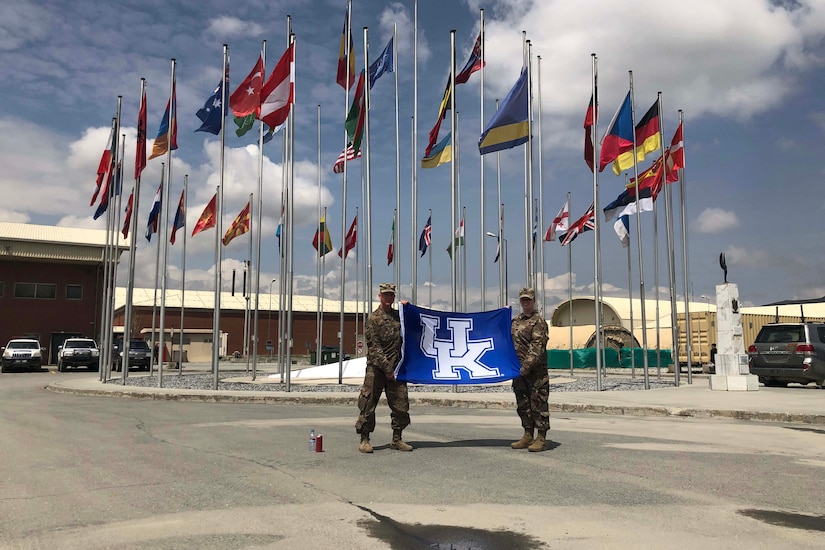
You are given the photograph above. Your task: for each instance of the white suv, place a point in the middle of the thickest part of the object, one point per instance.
(78, 352)
(22, 353)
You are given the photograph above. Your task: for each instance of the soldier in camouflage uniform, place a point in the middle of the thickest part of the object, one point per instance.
(383, 333)
(529, 332)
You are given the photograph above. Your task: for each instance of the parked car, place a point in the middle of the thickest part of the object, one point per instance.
(22, 353)
(789, 352)
(140, 355)
(78, 352)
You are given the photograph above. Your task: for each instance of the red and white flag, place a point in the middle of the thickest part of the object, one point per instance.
(349, 153)
(351, 240)
(675, 156)
(246, 99)
(278, 92)
(560, 223)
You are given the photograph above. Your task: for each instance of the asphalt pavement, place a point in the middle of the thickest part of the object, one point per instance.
(795, 404)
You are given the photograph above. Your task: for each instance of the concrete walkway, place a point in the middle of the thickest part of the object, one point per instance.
(798, 404)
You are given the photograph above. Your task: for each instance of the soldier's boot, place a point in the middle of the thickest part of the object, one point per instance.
(540, 443)
(365, 446)
(397, 444)
(525, 440)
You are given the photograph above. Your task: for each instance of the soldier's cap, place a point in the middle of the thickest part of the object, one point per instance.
(527, 292)
(386, 287)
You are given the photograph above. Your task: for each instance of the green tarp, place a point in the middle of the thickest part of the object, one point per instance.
(585, 358)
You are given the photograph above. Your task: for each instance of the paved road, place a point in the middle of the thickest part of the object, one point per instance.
(90, 473)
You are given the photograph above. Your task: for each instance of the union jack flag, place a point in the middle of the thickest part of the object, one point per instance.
(425, 240)
(585, 223)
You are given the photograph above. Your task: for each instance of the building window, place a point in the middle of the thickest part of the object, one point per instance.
(74, 292)
(2, 288)
(45, 291)
(24, 290)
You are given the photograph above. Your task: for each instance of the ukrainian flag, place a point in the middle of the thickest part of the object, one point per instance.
(509, 127)
(441, 153)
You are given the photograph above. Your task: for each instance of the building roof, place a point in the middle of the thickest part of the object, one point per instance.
(47, 242)
(205, 299)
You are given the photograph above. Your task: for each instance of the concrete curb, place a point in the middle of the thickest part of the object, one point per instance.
(308, 398)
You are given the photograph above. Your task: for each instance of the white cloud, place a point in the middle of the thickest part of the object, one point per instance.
(397, 13)
(715, 220)
(735, 255)
(226, 26)
(744, 59)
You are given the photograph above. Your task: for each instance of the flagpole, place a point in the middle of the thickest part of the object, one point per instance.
(259, 235)
(481, 166)
(414, 215)
(348, 42)
(459, 248)
(110, 231)
(104, 309)
(453, 176)
(397, 168)
(130, 286)
(528, 184)
(630, 297)
(216, 316)
(645, 364)
(118, 188)
(183, 268)
(541, 194)
(165, 219)
(247, 272)
(597, 237)
(570, 288)
(502, 301)
(320, 332)
(153, 363)
(671, 250)
(248, 289)
(291, 237)
(464, 261)
(365, 164)
(318, 269)
(282, 267)
(689, 339)
(656, 284)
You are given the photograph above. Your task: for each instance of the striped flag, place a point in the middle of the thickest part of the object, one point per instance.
(350, 154)
(585, 223)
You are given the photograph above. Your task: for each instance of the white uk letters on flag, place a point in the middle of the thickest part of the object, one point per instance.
(456, 348)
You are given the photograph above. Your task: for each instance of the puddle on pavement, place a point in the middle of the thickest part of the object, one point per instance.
(787, 519)
(402, 536)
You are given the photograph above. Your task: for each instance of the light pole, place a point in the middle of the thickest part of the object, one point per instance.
(502, 285)
(707, 324)
(269, 323)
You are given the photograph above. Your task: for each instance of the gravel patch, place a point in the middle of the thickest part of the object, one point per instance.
(557, 384)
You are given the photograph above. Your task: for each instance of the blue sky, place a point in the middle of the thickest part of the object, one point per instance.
(747, 73)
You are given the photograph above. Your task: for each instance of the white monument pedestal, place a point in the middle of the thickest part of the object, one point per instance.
(731, 360)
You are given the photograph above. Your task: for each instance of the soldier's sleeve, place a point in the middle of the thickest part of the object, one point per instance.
(538, 344)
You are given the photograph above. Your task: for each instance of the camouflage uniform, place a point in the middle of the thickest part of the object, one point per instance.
(383, 333)
(533, 386)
